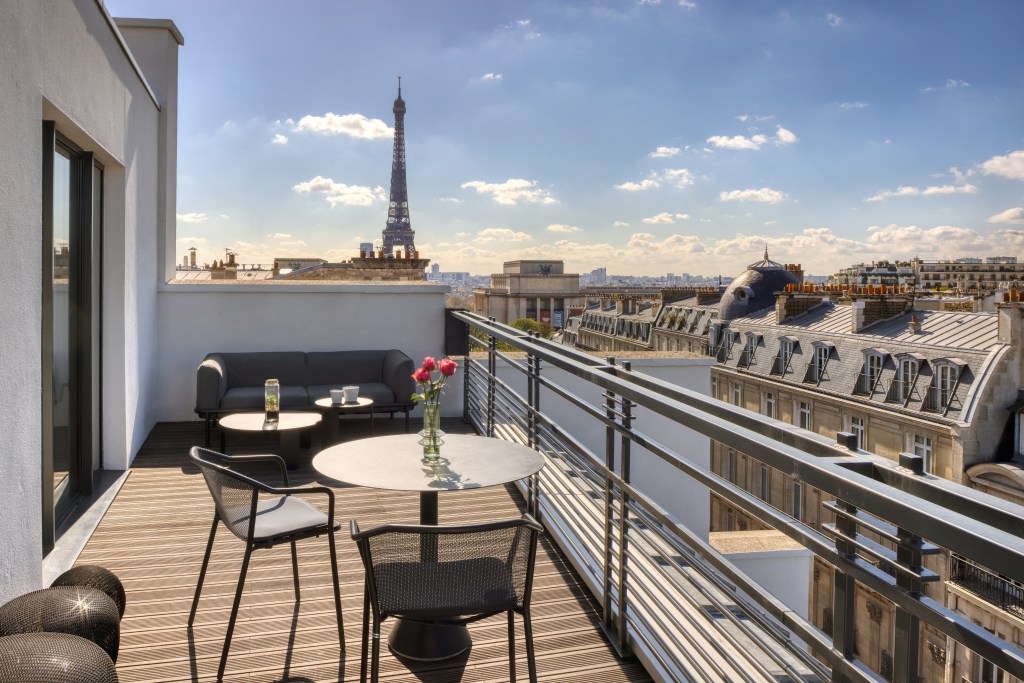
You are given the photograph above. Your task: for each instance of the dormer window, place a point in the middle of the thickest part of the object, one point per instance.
(817, 369)
(908, 368)
(787, 346)
(871, 372)
(749, 349)
(945, 381)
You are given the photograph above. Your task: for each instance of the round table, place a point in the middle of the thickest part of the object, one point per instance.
(288, 426)
(332, 413)
(396, 463)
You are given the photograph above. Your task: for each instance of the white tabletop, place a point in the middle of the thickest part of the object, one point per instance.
(254, 422)
(396, 463)
(360, 402)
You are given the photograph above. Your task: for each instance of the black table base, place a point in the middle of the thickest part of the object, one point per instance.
(428, 641)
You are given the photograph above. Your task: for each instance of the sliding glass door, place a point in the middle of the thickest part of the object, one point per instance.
(72, 216)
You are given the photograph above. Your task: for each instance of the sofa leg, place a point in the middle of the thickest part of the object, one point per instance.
(406, 421)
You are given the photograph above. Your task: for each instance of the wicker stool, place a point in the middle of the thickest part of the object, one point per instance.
(53, 658)
(94, 576)
(75, 610)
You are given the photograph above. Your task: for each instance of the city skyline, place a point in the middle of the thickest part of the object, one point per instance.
(647, 137)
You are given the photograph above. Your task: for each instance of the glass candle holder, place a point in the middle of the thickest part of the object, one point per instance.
(272, 399)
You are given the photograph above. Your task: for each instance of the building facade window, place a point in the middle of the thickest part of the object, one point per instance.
(764, 486)
(797, 509)
(872, 372)
(857, 427)
(785, 355)
(804, 415)
(769, 404)
(922, 446)
(737, 393)
(730, 466)
(714, 387)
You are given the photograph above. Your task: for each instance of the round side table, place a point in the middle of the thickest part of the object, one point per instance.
(287, 427)
(333, 412)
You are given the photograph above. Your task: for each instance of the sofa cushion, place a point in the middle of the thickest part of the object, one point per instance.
(251, 398)
(255, 368)
(344, 367)
(378, 391)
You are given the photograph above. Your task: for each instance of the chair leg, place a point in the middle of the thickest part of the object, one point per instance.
(337, 590)
(234, 612)
(202, 570)
(406, 421)
(528, 633)
(511, 647)
(375, 661)
(295, 571)
(366, 634)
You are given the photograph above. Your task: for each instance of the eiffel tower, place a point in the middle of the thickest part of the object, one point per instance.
(398, 232)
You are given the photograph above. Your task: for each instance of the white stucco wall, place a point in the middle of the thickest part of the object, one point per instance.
(678, 494)
(63, 61)
(195, 320)
(785, 574)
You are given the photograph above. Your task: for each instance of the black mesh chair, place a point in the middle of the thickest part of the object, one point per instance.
(76, 610)
(53, 658)
(458, 574)
(279, 517)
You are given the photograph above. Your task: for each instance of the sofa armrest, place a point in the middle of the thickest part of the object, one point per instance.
(396, 372)
(211, 383)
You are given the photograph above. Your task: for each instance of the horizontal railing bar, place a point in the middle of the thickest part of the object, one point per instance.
(991, 511)
(882, 554)
(875, 525)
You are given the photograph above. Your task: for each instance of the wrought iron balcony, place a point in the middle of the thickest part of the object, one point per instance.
(1005, 593)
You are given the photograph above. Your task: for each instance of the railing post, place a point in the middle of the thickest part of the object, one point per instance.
(624, 444)
(609, 461)
(492, 368)
(533, 396)
(844, 592)
(907, 643)
(465, 376)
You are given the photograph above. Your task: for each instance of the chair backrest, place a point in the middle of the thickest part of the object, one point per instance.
(423, 570)
(234, 494)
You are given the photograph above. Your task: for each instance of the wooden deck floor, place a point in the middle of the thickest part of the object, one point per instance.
(153, 538)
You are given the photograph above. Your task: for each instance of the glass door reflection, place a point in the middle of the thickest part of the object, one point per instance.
(64, 472)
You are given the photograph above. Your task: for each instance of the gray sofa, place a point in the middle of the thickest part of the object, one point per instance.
(233, 382)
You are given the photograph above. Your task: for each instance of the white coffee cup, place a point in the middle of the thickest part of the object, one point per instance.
(351, 393)
(337, 395)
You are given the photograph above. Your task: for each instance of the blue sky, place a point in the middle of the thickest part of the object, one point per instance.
(645, 137)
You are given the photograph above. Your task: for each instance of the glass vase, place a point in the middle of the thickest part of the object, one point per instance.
(431, 436)
(272, 400)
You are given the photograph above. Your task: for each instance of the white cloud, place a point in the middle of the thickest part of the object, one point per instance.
(279, 236)
(664, 152)
(1009, 166)
(557, 227)
(930, 191)
(501, 235)
(491, 77)
(688, 4)
(191, 217)
(191, 240)
(353, 125)
(680, 177)
(620, 224)
(663, 218)
(452, 200)
(950, 84)
(279, 139)
(512, 191)
(737, 141)
(853, 105)
(293, 243)
(1014, 216)
(645, 184)
(833, 19)
(224, 216)
(340, 193)
(785, 137)
(765, 194)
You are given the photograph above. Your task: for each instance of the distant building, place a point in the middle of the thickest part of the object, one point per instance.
(539, 290)
(898, 273)
(965, 274)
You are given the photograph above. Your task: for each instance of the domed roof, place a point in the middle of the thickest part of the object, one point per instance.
(755, 289)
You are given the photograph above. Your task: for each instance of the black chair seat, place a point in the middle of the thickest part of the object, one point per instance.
(283, 518)
(446, 589)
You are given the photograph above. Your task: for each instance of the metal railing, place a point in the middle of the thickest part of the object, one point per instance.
(998, 590)
(645, 567)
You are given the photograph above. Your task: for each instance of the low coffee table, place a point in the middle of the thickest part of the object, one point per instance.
(288, 427)
(332, 412)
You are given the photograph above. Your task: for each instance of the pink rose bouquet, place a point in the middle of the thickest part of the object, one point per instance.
(428, 387)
